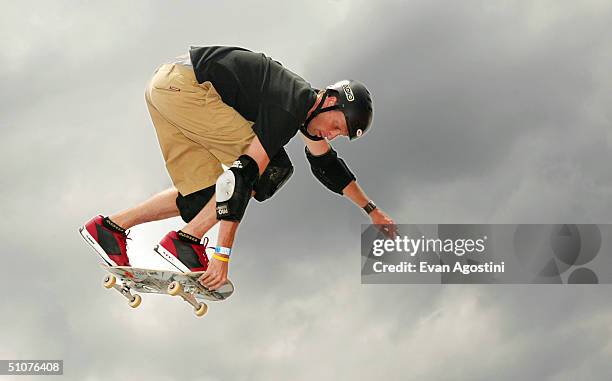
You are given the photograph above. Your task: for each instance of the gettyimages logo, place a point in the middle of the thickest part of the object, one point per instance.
(462, 253)
(411, 246)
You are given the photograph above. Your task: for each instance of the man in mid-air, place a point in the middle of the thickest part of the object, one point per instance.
(227, 105)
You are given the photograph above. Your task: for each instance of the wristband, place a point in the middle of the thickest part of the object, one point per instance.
(369, 207)
(223, 250)
(220, 258)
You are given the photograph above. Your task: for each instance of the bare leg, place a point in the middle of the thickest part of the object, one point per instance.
(158, 207)
(203, 221)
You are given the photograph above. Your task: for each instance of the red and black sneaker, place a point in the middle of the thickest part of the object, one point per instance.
(108, 239)
(183, 251)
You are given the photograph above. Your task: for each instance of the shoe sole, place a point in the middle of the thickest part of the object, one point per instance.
(174, 261)
(97, 248)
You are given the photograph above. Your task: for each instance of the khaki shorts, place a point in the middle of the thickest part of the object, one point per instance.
(196, 131)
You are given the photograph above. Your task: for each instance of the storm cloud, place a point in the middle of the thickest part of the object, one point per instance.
(485, 112)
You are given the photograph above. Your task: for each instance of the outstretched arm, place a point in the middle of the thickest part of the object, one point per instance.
(354, 192)
(216, 274)
(336, 176)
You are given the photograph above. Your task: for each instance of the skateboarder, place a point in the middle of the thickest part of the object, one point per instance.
(228, 105)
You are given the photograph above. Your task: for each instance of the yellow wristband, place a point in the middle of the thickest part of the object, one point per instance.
(220, 258)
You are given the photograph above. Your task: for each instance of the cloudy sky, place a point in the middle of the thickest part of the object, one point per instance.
(486, 112)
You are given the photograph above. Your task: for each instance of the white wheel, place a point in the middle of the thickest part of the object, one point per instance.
(109, 281)
(136, 301)
(174, 288)
(201, 311)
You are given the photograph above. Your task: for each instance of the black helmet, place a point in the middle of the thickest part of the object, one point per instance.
(355, 102)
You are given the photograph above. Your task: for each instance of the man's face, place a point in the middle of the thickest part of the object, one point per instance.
(328, 125)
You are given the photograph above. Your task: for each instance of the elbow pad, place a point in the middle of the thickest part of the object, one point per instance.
(330, 170)
(275, 175)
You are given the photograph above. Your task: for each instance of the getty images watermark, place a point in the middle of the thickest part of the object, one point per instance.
(463, 253)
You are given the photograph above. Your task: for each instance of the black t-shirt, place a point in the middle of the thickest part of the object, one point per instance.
(259, 88)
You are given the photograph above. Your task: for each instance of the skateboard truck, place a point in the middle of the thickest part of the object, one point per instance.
(110, 281)
(176, 289)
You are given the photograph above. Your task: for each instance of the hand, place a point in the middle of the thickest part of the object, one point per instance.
(387, 226)
(216, 274)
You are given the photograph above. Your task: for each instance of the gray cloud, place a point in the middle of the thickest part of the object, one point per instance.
(484, 113)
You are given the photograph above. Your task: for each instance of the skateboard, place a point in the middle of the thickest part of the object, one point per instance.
(127, 280)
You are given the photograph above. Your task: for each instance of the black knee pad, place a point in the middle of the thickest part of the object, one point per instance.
(189, 206)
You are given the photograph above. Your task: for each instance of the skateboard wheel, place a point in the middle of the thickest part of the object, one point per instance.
(201, 311)
(109, 281)
(136, 301)
(174, 288)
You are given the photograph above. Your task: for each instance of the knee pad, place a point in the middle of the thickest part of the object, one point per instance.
(234, 187)
(189, 206)
(276, 174)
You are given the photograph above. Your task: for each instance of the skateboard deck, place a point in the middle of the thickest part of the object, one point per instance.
(126, 279)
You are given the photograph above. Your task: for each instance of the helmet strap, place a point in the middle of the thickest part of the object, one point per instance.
(318, 110)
